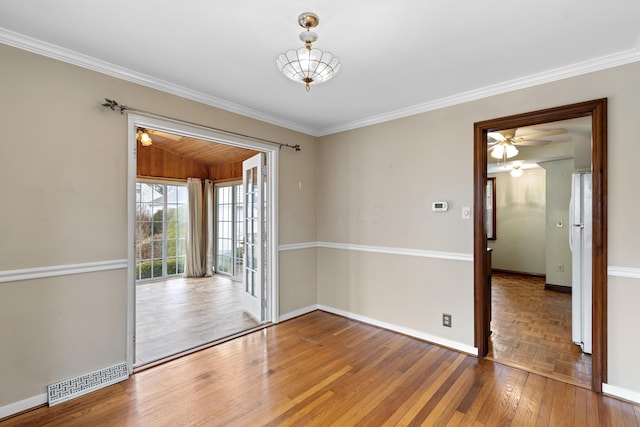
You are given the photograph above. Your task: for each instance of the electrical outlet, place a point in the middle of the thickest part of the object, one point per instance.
(446, 320)
(561, 268)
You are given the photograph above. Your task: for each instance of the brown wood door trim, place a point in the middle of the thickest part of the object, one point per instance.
(597, 110)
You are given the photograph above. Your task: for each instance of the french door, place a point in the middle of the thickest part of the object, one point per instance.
(254, 278)
(230, 230)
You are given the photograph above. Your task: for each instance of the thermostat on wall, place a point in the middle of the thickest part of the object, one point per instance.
(440, 206)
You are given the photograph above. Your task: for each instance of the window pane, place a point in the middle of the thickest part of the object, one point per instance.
(171, 248)
(161, 215)
(172, 230)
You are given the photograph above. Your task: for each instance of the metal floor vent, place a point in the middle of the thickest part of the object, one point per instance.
(75, 387)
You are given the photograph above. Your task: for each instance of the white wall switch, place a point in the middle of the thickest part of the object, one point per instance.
(466, 212)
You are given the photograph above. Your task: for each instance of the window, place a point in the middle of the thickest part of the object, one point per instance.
(229, 229)
(161, 228)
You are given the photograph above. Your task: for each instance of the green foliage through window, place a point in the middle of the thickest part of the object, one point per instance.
(161, 229)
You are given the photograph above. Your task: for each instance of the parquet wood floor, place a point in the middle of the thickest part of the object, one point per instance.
(531, 329)
(178, 314)
(325, 370)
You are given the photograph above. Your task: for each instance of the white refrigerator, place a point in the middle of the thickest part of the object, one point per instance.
(580, 236)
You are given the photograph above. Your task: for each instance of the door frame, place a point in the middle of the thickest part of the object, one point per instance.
(597, 110)
(272, 155)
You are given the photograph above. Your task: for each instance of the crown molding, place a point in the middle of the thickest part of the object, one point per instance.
(584, 67)
(50, 50)
(43, 48)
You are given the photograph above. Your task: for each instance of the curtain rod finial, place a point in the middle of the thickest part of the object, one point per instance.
(110, 103)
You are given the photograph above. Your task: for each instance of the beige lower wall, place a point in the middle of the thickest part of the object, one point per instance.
(405, 291)
(623, 321)
(60, 327)
(297, 280)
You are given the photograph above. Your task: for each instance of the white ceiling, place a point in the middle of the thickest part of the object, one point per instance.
(398, 57)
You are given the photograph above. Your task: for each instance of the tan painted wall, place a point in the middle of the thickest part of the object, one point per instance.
(376, 185)
(371, 186)
(407, 291)
(558, 197)
(520, 218)
(63, 182)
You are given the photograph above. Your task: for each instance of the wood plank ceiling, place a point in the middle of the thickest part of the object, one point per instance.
(204, 152)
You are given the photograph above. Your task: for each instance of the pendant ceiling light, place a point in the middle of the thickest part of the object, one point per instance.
(143, 136)
(308, 65)
(516, 171)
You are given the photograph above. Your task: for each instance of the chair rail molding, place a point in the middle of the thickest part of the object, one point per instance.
(61, 270)
(457, 256)
(631, 272)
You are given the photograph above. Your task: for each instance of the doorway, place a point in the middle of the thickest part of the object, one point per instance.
(597, 110)
(208, 139)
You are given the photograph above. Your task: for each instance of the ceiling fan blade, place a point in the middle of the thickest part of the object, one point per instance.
(542, 134)
(496, 136)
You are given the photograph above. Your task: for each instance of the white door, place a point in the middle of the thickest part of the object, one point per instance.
(254, 292)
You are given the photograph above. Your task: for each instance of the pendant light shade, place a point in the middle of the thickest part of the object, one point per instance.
(308, 65)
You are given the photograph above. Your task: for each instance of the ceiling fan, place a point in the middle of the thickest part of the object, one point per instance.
(505, 141)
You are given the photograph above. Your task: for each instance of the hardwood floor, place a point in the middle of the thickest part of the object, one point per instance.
(319, 370)
(531, 329)
(178, 314)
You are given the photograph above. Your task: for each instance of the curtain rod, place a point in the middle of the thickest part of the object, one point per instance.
(115, 106)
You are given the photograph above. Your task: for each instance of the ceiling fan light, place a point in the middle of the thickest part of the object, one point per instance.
(511, 150)
(498, 152)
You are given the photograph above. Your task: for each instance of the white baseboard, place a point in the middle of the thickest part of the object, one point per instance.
(621, 393)
(464, 348)
(23, 405)
(297, 313)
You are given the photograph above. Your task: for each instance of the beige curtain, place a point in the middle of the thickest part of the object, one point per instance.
(194, 243)
(208, 228)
